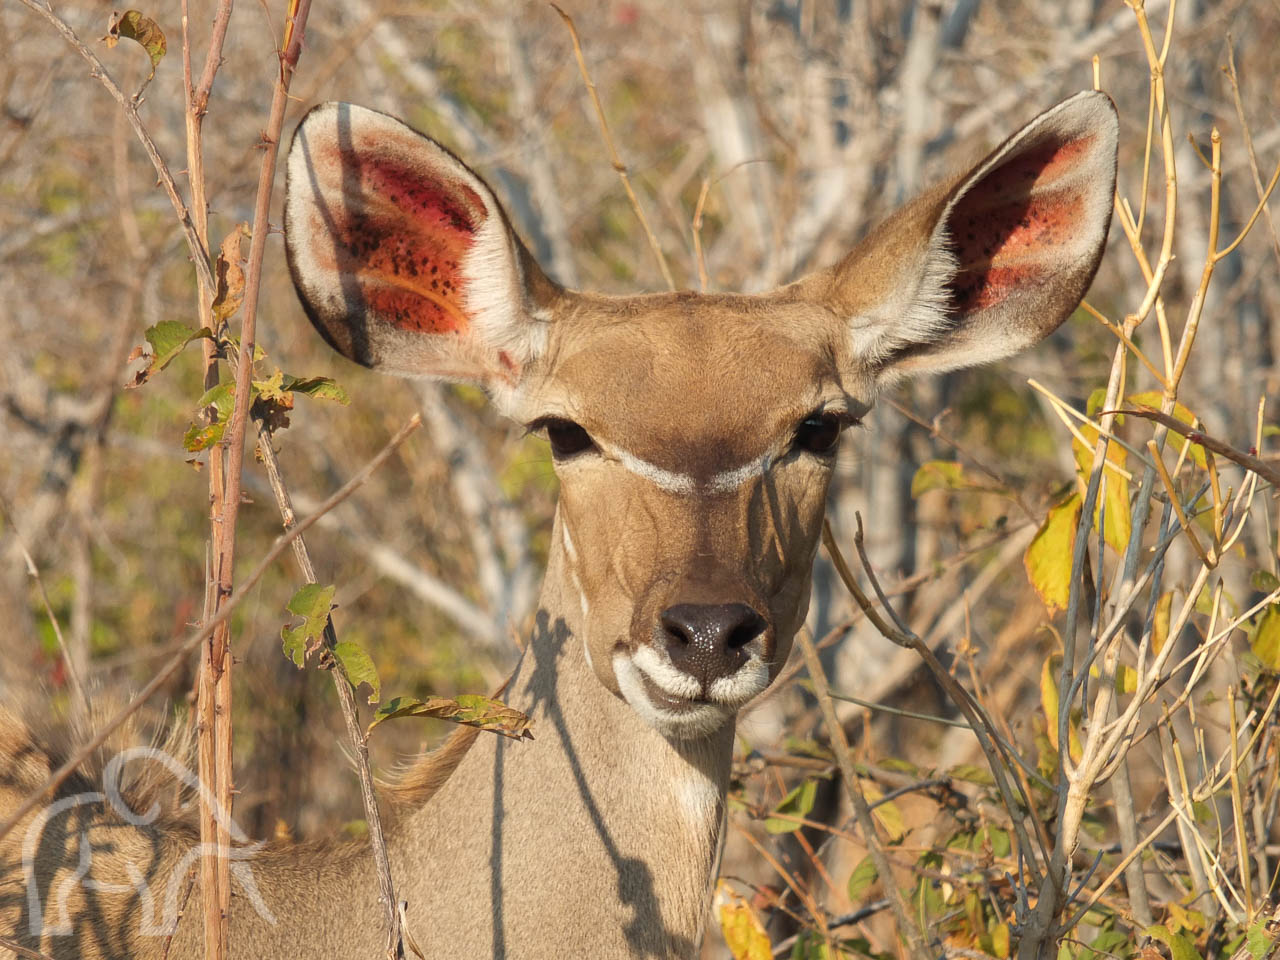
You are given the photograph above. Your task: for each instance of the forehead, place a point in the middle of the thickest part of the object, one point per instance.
(658, 374)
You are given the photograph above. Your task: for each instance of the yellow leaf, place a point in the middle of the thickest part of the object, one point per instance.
(1048, 558)
(743, 932)
(1000, 940)
(1049, 703)
(1114, 492)
(1126, 679)
(144, 31)
(1266, 639)
(888, 814)
(1160, 627)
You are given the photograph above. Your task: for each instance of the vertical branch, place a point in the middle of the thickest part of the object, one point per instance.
(213, 699)
(215, 672)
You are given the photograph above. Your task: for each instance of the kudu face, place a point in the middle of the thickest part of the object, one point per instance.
(693, 435)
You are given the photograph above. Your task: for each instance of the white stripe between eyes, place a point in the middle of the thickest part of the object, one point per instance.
(672, 482)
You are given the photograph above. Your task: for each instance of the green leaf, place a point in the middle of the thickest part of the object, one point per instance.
(863, 876)
(1048, 557)
(1258, 940)
(972, 773)
(1264, 581)
(1001, 845)
(141, 29)
(469, 709)
(1265, 643)
(1096, 399)
(938, 475)
(319, 388)
(797, 803)
(313, 603)
(166, 339)
(202, 436)
(358, 667)
(1180, 947)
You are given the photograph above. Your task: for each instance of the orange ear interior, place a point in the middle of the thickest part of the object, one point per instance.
(1018, 223)
(402, 238)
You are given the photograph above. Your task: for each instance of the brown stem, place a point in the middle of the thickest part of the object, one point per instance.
(193, 639)
(215, 676)
(213, 703)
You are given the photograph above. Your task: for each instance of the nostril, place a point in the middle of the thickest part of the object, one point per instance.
(676, 629)
(714, 628)
(746, 631)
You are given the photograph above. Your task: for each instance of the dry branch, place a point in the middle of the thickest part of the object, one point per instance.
(281, 543)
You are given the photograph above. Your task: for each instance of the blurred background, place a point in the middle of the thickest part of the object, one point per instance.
(798, 125)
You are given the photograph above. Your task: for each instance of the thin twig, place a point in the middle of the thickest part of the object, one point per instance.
(359, 739)
(193, 639)
(862, 812)
(26, 952)
(614, 157)
(783, 947)
(77, 684)
(199, 253)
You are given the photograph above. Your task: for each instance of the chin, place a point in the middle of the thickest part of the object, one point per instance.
(673, 703)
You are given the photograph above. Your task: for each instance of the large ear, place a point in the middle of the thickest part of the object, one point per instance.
(993, 262)
(402, 257)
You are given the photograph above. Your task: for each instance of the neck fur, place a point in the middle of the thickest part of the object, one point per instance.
(598, 838)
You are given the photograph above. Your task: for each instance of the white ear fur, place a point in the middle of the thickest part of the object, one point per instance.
(989, 265)
(403, 257)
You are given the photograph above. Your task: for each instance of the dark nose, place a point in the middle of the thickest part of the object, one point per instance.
(706, 640)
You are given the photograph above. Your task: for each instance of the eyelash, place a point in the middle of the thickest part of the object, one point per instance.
(819, 433)
(567, 438)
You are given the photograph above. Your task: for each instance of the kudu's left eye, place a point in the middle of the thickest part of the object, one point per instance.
(567, 438)
(819, 433)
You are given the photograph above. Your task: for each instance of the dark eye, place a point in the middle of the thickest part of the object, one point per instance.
(567, 438)
(819, 433)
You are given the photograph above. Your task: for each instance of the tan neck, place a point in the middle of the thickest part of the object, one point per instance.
(599, 824)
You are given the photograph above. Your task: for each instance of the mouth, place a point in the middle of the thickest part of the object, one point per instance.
(669, 702)
(674, 703)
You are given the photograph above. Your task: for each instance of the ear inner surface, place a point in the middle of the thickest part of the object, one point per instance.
(400, 253)
(1018, 224)
(977, 271)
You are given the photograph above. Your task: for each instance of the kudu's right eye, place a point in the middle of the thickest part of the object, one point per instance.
(566, 437)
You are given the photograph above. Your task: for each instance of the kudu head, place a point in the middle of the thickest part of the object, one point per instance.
(693, 435)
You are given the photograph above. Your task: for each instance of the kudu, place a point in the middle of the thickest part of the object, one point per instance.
(694, 437)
